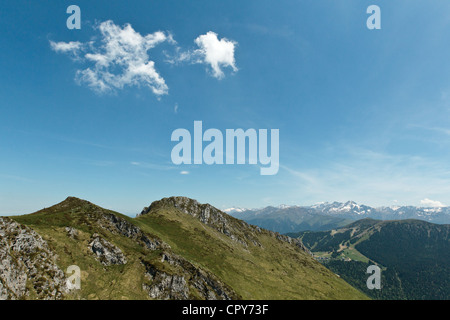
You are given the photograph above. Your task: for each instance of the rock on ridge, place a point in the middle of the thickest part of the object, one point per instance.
(27, 262)
(107, 253)
(297, 242)
(190, 282)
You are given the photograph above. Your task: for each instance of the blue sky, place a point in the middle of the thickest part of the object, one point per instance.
(363, 115)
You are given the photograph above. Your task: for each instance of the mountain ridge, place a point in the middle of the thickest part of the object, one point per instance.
(177, 248)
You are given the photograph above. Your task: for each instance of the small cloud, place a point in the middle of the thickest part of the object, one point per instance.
(431, 203)
(134, 163)
(215, 53)
(175, 109)
(66, 47)
(184, 172)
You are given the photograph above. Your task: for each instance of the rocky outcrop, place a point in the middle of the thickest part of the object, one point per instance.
(297, 242)
(209, 288)
(164, 286)
(189, 283)
(118, 225)
(27, 264)
(105, 252)
(72, 232)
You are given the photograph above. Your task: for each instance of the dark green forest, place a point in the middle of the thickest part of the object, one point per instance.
(414, 257)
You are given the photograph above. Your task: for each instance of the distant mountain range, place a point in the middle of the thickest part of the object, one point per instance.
(414, 256)
(327, 216)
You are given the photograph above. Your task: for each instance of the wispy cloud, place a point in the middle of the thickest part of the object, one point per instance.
(14, 177)
(66, 47)
(119, 59)
(154, 166)
(441, 130)
(431, 203)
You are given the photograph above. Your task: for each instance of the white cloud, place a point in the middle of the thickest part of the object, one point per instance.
(66, 47)
(217, 53)
(431, 203)
(184, 172)
(175, 109)
(120, 59)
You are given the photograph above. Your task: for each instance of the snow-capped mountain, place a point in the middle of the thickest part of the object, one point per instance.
(317, 216)
(348, 209)
(436, 215)
(354, 211)
(234, 210)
